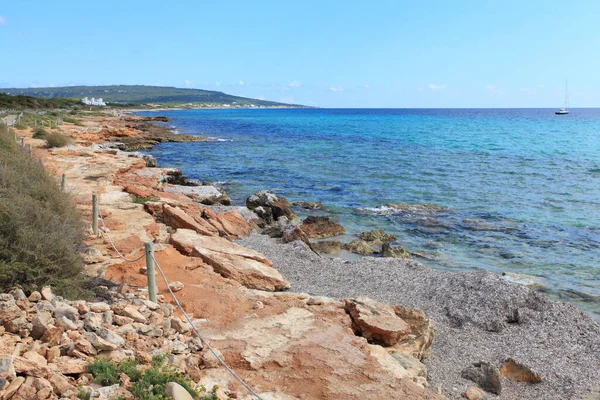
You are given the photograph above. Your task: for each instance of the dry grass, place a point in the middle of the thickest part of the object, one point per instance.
(41, 233)
(56, 140)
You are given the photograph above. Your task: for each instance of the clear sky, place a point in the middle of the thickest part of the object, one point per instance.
(324, 53)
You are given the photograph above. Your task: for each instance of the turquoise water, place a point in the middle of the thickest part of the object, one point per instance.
(519, 190)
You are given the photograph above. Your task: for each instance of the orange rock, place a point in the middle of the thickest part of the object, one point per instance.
(515, 371)
(376, 322)
(177, 218)
(234, 224)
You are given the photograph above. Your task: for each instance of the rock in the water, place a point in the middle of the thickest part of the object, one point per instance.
(321, 227)
(177, 392)
(273, 205)
(327, 246)
(309, 205)
(375, 321)
(474, 393)
(395, 251)
(515, 371)
(484, 374)
(378, 235)
(360, 247)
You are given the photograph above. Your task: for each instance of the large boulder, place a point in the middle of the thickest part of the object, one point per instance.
(270, 207)
(360, 247)
(378, 235)
(248, 267)
(376, 322)
(321, 227)
(177, 218)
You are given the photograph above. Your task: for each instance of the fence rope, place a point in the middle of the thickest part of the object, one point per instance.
(223, 363)
(187, 317)
(113, 245)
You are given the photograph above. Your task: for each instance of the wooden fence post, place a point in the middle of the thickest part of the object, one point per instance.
(95, 214)
(63, 182)
(149, 249)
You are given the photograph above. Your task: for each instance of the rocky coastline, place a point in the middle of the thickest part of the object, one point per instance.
(253, 282)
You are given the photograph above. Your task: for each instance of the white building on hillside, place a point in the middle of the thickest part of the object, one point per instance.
(93, 102)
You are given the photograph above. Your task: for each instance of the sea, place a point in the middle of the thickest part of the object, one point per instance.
(512, 191)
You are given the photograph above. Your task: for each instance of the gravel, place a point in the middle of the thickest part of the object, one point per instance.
(479, 316)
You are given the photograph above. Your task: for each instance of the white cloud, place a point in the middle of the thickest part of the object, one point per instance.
(295, 84)
(336, 89)
(433, 86)
(2, 20)
(494, 90)
(241, 83)
(34, 85)
(261, 97)
(527, 90)
(285, 89)
(367, 86)
(217, 83)
(188, 84)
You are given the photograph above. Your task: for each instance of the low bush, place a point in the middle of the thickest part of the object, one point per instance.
(57, 140)
(41, 232)
(148, 383)
(40, 133)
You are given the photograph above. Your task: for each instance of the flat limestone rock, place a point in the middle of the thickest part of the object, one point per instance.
(177, 218)
(376, 322)
(248, 267)
(202, 194)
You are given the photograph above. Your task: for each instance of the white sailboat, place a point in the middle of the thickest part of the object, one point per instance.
(565, 109)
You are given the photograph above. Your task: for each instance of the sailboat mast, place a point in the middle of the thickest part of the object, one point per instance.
(566, 94)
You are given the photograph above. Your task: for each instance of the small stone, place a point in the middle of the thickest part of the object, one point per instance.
(70, 366)
(484, 374)
(474, 393)
(121, 320)
(47, 293)
(66, 324)
(61, 384)
(209, 360)
(7, 367)
(133, 313)
(86, 347)
(99, 307)
(176, 286)
(35, 357)
(92, 321)
(107, 317)
(111, 337)
(35, 296)
(179, 325)
(40, 324)
(52, 353)
(83, 308)
(98, 342)
(13, 387)
(52, 336)
(18, 293)
(65, 310)
(258, 305)
(18, 324)
(177, 392)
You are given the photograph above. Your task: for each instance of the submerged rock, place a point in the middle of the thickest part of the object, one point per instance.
(309, 205)
(360, 247)
(378, 235)
(327, 246)
(321, 227)
(395, 251)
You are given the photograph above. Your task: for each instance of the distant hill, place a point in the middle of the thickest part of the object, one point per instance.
(138, 94)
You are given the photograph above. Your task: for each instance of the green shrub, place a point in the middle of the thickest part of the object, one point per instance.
(40, 230)
(144, 200)
(84, 394)
(148, 384)
(57, 140)
(40, 133)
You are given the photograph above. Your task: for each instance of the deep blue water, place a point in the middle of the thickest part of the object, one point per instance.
(519, 188)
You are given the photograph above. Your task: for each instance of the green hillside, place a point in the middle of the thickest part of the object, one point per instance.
(143, 95)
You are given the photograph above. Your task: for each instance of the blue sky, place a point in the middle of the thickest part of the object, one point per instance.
(323, 53)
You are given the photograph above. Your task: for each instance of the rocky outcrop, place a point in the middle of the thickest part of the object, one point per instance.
(395, 251)
(269, 206)
(179, 219)
(518, 372)
(376, 322)
(484, 374)
(360, 247)
(203, 194)
(309, 205)
(321, 227)
(233, 261)
(327, 246)
(378, 235)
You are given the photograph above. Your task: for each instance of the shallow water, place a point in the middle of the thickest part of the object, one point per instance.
(518, 190)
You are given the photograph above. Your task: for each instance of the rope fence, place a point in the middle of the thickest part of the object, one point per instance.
(150, 263)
